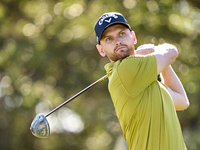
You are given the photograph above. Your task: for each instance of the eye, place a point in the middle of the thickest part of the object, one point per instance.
(122, 33)
(108, 39)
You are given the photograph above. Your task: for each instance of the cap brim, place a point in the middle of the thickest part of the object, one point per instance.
(111, 24)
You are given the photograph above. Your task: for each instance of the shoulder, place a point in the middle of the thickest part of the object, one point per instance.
(137, 60)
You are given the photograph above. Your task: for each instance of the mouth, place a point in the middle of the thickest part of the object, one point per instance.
(119, 48)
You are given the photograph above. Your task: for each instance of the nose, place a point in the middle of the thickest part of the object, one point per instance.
(118, 41)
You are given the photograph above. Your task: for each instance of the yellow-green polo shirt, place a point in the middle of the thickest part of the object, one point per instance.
(143, 105)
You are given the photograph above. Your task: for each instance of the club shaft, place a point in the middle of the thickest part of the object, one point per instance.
(85, 89)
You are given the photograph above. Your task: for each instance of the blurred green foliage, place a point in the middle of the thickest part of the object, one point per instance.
(48, 54)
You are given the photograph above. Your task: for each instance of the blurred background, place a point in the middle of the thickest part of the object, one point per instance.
(48, 54)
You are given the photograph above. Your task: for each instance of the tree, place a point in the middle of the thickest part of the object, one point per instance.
(47, 54)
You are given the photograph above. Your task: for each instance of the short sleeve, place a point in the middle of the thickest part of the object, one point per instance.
(137, 73)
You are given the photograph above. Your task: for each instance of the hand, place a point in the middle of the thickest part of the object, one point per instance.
(145, 49)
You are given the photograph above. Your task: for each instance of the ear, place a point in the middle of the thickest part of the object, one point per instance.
(134, 37)
(100, 49)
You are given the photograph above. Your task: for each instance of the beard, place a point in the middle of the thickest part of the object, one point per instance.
(121, 53)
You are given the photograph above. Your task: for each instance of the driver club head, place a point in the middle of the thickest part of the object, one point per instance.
(40, 126)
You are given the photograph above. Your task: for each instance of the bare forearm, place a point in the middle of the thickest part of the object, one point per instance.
(165, 54)
(171, 80)
(176, 88)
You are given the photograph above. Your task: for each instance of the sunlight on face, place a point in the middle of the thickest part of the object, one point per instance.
(117, 42)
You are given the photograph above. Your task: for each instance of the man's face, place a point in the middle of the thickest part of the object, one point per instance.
(117, 42)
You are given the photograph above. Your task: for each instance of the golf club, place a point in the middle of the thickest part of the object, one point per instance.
(40, 126)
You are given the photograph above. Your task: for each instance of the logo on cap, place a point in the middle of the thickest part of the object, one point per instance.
(107, 20)
(106, 16)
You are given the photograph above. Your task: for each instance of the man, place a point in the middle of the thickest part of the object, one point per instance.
(146, 108)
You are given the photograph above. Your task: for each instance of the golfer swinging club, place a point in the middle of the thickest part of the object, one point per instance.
(145, 107)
